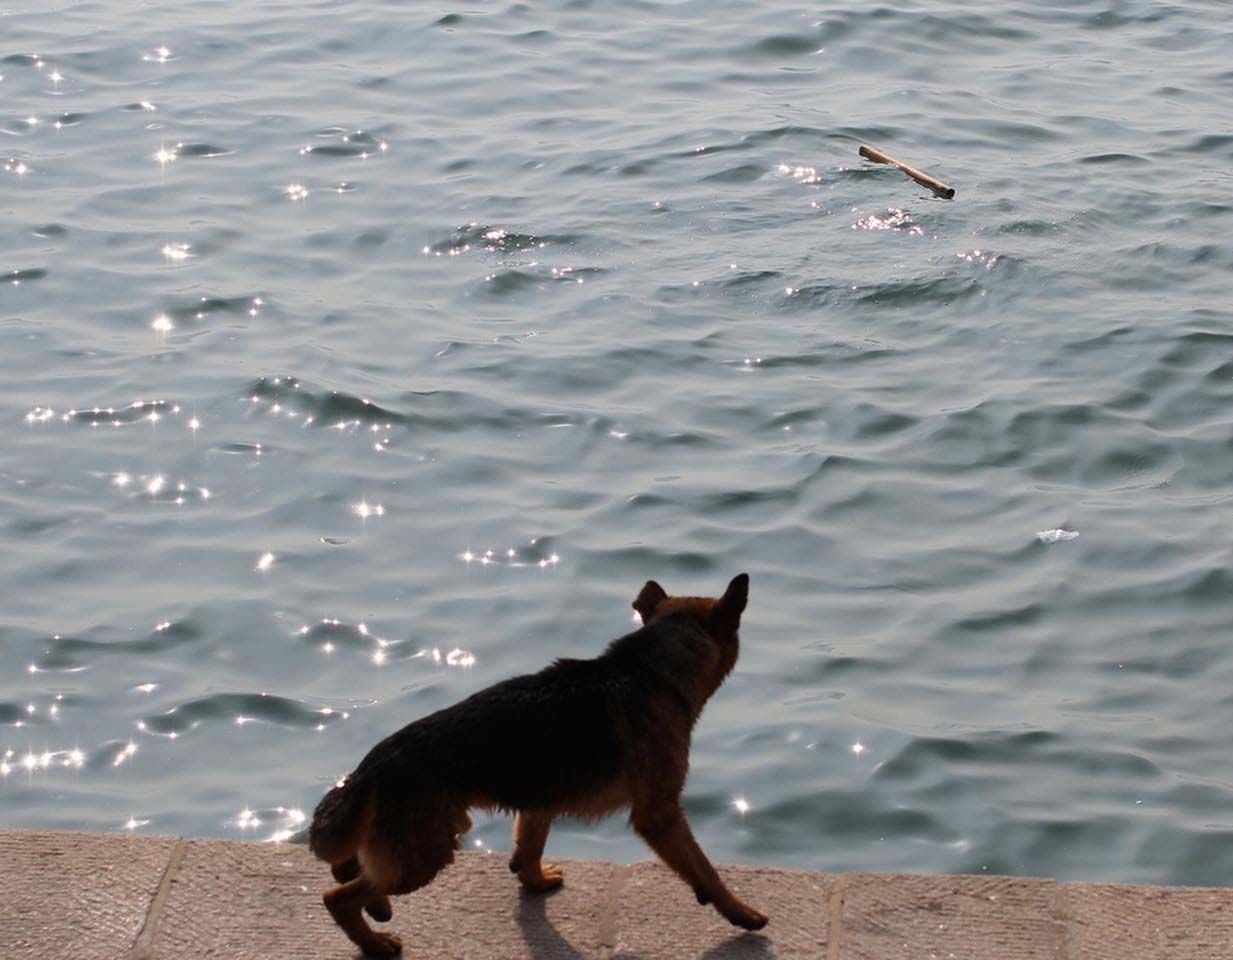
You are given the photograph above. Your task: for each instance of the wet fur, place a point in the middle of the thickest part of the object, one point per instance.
(581, 738)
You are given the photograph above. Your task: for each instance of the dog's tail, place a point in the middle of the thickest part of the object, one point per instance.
(337, 824)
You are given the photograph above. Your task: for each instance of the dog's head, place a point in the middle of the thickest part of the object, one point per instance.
(720, 616)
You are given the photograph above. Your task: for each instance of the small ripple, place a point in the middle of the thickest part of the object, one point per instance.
(341, 142)
(920, 756)
(857, 816)
(1219, 144)
(1002, 620)
(505, 282)
(1125, 159)
(943, 290)
(138, 411)
(205, 306)
(241, 709)
(744, 173)
(1029, 228)
(11, 712)
(784, 45)
(490, 239)
(538, 552)
(286, 396)
(202, 150)
(18, 277)
(746, 278)
(67, 652)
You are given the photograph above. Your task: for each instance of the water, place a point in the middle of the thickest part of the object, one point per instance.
(306, 304)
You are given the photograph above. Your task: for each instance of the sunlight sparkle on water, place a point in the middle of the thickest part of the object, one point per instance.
(165, 156)
(162, 323)
(741, 805)
(858, 748)
(266, 561)
(460, 658)
(801, 174)
(176, 251)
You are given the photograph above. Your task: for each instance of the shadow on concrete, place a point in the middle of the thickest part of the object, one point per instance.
(543, 940)
(743, 946)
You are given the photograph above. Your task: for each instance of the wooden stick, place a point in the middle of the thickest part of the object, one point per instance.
(937, 186)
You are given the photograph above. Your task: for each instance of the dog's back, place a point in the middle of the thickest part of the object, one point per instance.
(552, 739)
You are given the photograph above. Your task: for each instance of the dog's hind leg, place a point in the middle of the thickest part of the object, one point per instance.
(394, 858)
(379, 907)
(345, 903)
(530, 835)
(667, 832)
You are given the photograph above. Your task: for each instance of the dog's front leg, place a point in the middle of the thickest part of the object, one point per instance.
(530, 835)
(667, 832)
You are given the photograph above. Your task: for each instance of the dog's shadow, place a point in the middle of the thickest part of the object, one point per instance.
(544, 941)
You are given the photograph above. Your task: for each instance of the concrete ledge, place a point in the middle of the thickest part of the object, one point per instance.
(83, 895)
(159, 898)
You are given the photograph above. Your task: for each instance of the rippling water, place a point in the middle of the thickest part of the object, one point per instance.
(358, 355)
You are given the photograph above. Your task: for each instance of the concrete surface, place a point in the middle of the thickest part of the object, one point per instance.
(104, 896)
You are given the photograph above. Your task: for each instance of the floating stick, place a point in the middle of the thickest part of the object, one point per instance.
(937, 186)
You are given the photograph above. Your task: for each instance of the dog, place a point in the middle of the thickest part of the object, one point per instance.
(581, 738)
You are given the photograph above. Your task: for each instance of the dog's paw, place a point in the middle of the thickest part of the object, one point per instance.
(381, 945)
(747, 917)
(548, 878)
(379, 909)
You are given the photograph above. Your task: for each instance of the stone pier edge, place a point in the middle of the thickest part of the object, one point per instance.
(125, 897)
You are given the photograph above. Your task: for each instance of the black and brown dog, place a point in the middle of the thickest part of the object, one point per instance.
(581, 738)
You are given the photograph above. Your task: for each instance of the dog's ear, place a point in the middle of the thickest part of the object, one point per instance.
(728, 609)
(650, 597)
